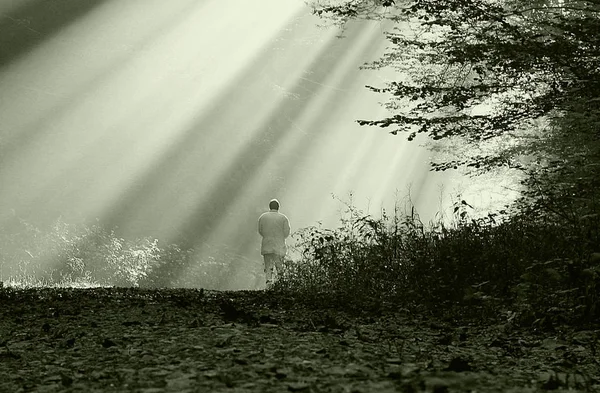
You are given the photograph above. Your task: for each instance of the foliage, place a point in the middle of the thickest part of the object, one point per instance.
(525, 60)
(564, 183)
(492, 84)
(512, 84)
(93, 255)
(541, 270)
(475, 266)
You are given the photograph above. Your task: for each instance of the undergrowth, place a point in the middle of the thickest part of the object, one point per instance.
(533, 271)
(83, 256)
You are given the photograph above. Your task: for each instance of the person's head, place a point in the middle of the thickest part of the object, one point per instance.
(274, 204)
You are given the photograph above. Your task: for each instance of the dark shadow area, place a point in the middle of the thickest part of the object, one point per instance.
(31, 24)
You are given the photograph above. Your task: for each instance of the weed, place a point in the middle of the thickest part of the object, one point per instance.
(542, 270)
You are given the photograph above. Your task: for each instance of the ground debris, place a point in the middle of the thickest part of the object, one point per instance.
(176, 340)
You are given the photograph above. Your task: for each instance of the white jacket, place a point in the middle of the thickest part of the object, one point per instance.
(274, 228)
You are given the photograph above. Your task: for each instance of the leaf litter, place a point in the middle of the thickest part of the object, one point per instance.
(185, 340)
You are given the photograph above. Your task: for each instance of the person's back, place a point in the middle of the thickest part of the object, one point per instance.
(274, 228)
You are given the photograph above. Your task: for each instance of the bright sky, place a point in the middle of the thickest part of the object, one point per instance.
(181, 119)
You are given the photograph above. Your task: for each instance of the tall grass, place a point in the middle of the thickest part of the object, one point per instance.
(531, 267)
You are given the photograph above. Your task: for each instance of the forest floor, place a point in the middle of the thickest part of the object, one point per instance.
(177, 340)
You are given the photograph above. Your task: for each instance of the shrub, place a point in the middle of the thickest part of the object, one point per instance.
(536, 267)
(66, 254)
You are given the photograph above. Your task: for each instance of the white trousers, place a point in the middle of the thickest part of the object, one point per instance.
(272, 261)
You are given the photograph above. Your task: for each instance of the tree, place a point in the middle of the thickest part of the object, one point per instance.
(520, 74)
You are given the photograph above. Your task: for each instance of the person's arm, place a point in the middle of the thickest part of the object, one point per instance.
(260, 226)
(286, 227)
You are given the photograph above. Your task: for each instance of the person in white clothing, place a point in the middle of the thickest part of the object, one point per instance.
(274, 228)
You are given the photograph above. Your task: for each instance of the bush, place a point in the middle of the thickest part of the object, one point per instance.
(536, 267)
(66, 254)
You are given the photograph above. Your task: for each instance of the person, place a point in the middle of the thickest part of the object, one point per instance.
(274, 227)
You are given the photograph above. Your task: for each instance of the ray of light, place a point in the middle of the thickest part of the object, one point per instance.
(217, 145)
(270, 137)
(293, 142)
(69, 110)
(163, 119)
(109, 113)
(115, 131)
(316, 144)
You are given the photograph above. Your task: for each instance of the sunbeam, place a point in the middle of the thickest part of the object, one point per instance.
(179, 121)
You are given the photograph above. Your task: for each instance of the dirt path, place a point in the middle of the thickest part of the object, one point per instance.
(126, 340)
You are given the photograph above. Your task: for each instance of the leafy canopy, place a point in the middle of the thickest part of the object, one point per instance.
(482, 70)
